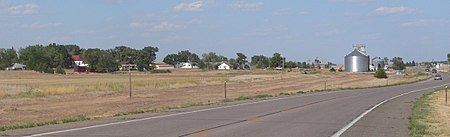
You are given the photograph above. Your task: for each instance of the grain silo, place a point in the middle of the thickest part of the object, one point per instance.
(357, 60)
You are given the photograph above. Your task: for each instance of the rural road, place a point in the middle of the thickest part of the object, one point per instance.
(310, 115)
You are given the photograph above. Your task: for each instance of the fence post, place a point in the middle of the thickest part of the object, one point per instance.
(225, 88)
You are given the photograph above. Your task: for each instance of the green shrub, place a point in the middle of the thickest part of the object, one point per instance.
(380, 73)
(332, 70)
(60, 70)
(161, 71)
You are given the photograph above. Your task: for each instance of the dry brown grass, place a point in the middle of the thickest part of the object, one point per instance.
(438, 120)
(33, 97)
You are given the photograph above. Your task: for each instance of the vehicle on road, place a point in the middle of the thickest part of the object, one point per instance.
(434, 71)
(437, 77)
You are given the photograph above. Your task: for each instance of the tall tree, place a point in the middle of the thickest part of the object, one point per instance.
(36, 58)
(100, 60)
(397, 63)
(241, 60)
(145, 57)
(171, 59)
(276, 60)
(260, 61)
(211, 60)
(7, 57)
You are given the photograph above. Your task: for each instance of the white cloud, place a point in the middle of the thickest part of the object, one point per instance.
(394, 10)
(287, 12)
(329, 33)
(24, 9)
(155, 27)
(355, 1)
(139, 25)
(194, 6)
(245, 5)
(166, 26)
(43, 25)
(419, 23)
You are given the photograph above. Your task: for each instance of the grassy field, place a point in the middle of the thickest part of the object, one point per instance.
(29, 98)
(431, 116)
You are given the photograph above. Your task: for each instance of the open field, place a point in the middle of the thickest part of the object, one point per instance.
(431, 116)
(28, 96)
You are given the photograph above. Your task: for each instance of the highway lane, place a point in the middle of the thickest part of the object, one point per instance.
(319, 114)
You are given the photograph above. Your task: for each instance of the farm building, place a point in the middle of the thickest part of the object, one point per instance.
(357, 60)
(127, 66)
(78, 64)
(378, 63)
(186, 65)
(163, 66)
(223, 66)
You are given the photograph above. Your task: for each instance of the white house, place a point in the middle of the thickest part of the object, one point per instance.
(223, 66)
(162, 66)
(186, 65)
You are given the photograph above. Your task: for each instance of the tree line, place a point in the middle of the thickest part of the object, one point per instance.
(55, 58)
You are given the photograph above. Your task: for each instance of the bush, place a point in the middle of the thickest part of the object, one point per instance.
(60, 70)
(332, 70)
(380, 73)
(161, 71)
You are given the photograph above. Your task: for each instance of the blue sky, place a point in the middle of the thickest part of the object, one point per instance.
(300, 30)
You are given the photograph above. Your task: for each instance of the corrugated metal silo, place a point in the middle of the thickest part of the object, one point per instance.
(357, 61)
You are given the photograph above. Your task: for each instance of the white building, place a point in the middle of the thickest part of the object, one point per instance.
(186, 65)
(223, 66)
(162, 66)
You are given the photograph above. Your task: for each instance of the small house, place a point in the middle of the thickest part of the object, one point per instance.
(78, 64)
(163, 66)
(223, 66)
(127, 66)
(186, 65)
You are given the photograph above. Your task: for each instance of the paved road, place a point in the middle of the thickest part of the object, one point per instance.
(312, 115)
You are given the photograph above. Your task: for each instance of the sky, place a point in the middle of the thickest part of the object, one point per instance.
(299, 30)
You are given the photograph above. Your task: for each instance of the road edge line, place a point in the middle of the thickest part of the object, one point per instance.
(346, 127)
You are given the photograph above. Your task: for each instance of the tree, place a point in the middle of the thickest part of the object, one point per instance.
(234, 63)
(145, 57)
(260, 61)
(397, 63)
(276, 60)
(100, 60)
(211, 60)
(36, 58)
(171, 59)
(291, 64)
(241, 60)
(8, 57)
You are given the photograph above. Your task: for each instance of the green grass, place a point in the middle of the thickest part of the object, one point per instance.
(421, 109)
(51, 122)
(241, 98)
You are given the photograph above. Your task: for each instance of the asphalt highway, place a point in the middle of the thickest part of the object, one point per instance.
(363, 112)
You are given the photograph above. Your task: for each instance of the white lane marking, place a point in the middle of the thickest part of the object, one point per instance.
(176, 114)
(346, 127)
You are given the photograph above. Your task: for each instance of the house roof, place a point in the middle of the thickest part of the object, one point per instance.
(76, 58)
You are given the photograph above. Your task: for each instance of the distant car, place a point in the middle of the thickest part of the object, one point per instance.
(427, 70)
(434, 71)
(437, 77)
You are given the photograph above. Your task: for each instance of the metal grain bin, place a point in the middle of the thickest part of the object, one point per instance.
(357, 61)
